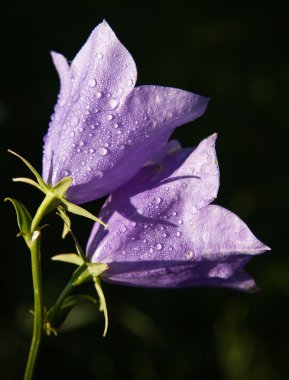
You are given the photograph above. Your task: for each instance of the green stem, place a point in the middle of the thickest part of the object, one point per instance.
(47, 205)
(38, 307)
(65, 292)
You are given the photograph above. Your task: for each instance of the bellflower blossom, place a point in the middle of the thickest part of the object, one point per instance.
(164, 231)
(104, 129)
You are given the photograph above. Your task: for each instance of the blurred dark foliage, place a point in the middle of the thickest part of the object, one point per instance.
(237, 54)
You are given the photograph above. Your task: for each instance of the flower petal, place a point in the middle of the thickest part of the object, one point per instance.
(109, 129)
(163, 232)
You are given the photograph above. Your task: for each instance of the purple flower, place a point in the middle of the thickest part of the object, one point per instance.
(164, 231)
(104, 129)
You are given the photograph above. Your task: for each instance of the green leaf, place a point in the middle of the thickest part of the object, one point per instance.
(71, 258)
(23, 217)
(74, 209)
(42, 184)
(102, 303)
(62, 186)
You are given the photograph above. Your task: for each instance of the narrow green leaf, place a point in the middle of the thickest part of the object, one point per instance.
(102, 303)
(74, 209)
(42, 184)
(62, 186)
(23, 217)
(71, 258)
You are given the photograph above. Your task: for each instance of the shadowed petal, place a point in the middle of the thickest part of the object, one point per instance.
(105, 130)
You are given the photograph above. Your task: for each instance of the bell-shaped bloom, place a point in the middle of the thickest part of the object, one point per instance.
(164, 231)
(104, 128)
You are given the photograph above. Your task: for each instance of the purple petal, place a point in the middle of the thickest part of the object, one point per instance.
(104, 129)
(163, 232)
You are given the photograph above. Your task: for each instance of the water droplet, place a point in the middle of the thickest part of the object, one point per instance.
(99, 55)
(109, 117)
(98, 94)
(129, 82)
(62, 104)
(121, 90)
(83, 163)
(121, 147)
(158, 200)
(80, 130)
(178, 234)
(122, 228)
(81, 143)
(71, 134)
(180, 221)
(98, 173)
(102, 151)
(184, 185)
(151, 250)
(74, 121)
(91, 83)
(91, 150)
(116, 125)
(174, 213)
(158, 246)
(165, 235)
(65, 172)
(140, 211)
(145, 241)
(89, 169)
(189, 255)
(194, 209)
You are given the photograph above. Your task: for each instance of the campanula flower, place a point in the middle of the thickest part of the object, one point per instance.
(164, 231)
(104, 128)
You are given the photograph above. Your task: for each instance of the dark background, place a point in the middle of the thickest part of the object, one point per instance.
(237, 54)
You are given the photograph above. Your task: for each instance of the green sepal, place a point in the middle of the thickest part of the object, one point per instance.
(71, 258)
(91, 272)
(74, 209)
(24, 219)
(29, 181)
(66, 307)
(102, 303)
(42, 184)
(66, 222)
(62, 186)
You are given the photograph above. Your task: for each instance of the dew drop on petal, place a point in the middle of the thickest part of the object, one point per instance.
(102, 151)
(74, 121)
(99, 55)
(91, 83)
(112, 104)
(72, 134)
(129, 82)
(189, 255)
(194, 209)
(98, 173)
(158, 246)
(180, 221)
(158, 200)
(178, 234)
(122, 228)
(109, 117)
(98, 95)
(65, 172)
(91, 150)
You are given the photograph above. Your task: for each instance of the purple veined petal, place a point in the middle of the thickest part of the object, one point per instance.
(163, 234)
(106, 129)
